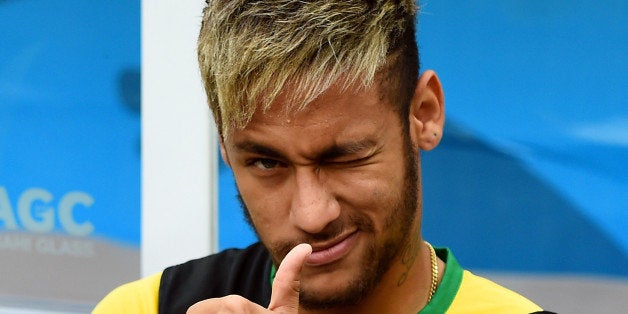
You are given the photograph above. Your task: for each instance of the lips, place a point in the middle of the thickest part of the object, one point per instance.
(329, 253)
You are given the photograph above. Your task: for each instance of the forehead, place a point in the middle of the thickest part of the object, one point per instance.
(337, 110)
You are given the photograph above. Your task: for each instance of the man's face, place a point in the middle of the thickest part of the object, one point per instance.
(341, 176)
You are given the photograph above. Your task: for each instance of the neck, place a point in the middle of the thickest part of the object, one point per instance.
(406, 284)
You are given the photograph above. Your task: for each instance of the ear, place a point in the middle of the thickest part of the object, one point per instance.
(427, 112)
(223, 152)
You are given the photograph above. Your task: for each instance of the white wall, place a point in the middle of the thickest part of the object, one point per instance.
(179, 165)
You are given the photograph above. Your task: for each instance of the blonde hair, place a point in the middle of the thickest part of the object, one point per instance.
(250, 51)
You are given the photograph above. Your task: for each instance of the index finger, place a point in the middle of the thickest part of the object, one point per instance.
(287, 283)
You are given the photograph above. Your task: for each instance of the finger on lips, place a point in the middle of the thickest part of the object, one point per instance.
(286, 286)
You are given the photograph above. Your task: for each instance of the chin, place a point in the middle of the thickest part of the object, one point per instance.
(334, 286)
(331, 295)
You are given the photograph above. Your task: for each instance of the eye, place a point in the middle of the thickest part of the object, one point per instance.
(265, 164)
(350, 162)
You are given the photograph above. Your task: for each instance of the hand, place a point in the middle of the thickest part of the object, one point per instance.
(285, 293)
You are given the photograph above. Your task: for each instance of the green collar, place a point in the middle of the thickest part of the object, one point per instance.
(273, 272)
(447, 289)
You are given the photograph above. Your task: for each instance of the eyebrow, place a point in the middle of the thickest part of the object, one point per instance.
(332, 152)
(255, 148)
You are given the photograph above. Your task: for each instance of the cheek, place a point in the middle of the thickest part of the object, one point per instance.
(263, 208)
(267, 207)
(372, 194)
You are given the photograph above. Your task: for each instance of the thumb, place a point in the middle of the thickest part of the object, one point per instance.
(287, 283)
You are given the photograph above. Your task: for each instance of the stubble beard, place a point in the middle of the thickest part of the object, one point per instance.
(378, 257)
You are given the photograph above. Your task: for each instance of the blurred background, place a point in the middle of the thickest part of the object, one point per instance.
(529, 186)
(69, 151)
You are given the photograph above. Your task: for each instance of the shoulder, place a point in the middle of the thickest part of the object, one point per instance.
(245, 272)
(460, 291)
(220, 263)
(480, 295)
(216, 270)
(234, 271)
(140, 296)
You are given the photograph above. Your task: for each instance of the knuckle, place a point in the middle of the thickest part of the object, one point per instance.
(235, 299)
(227, 304)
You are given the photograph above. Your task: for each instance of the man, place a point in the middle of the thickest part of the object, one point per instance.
(321, 115)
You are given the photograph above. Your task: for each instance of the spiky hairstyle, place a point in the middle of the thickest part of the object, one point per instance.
(251, 51)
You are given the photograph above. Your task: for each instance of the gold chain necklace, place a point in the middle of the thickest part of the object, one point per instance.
(434, 271)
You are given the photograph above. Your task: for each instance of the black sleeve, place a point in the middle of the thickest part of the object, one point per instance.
(243, 272)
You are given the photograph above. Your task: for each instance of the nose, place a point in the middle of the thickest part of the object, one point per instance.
(313, 206)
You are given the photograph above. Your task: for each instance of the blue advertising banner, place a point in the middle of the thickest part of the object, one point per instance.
(69, 150)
